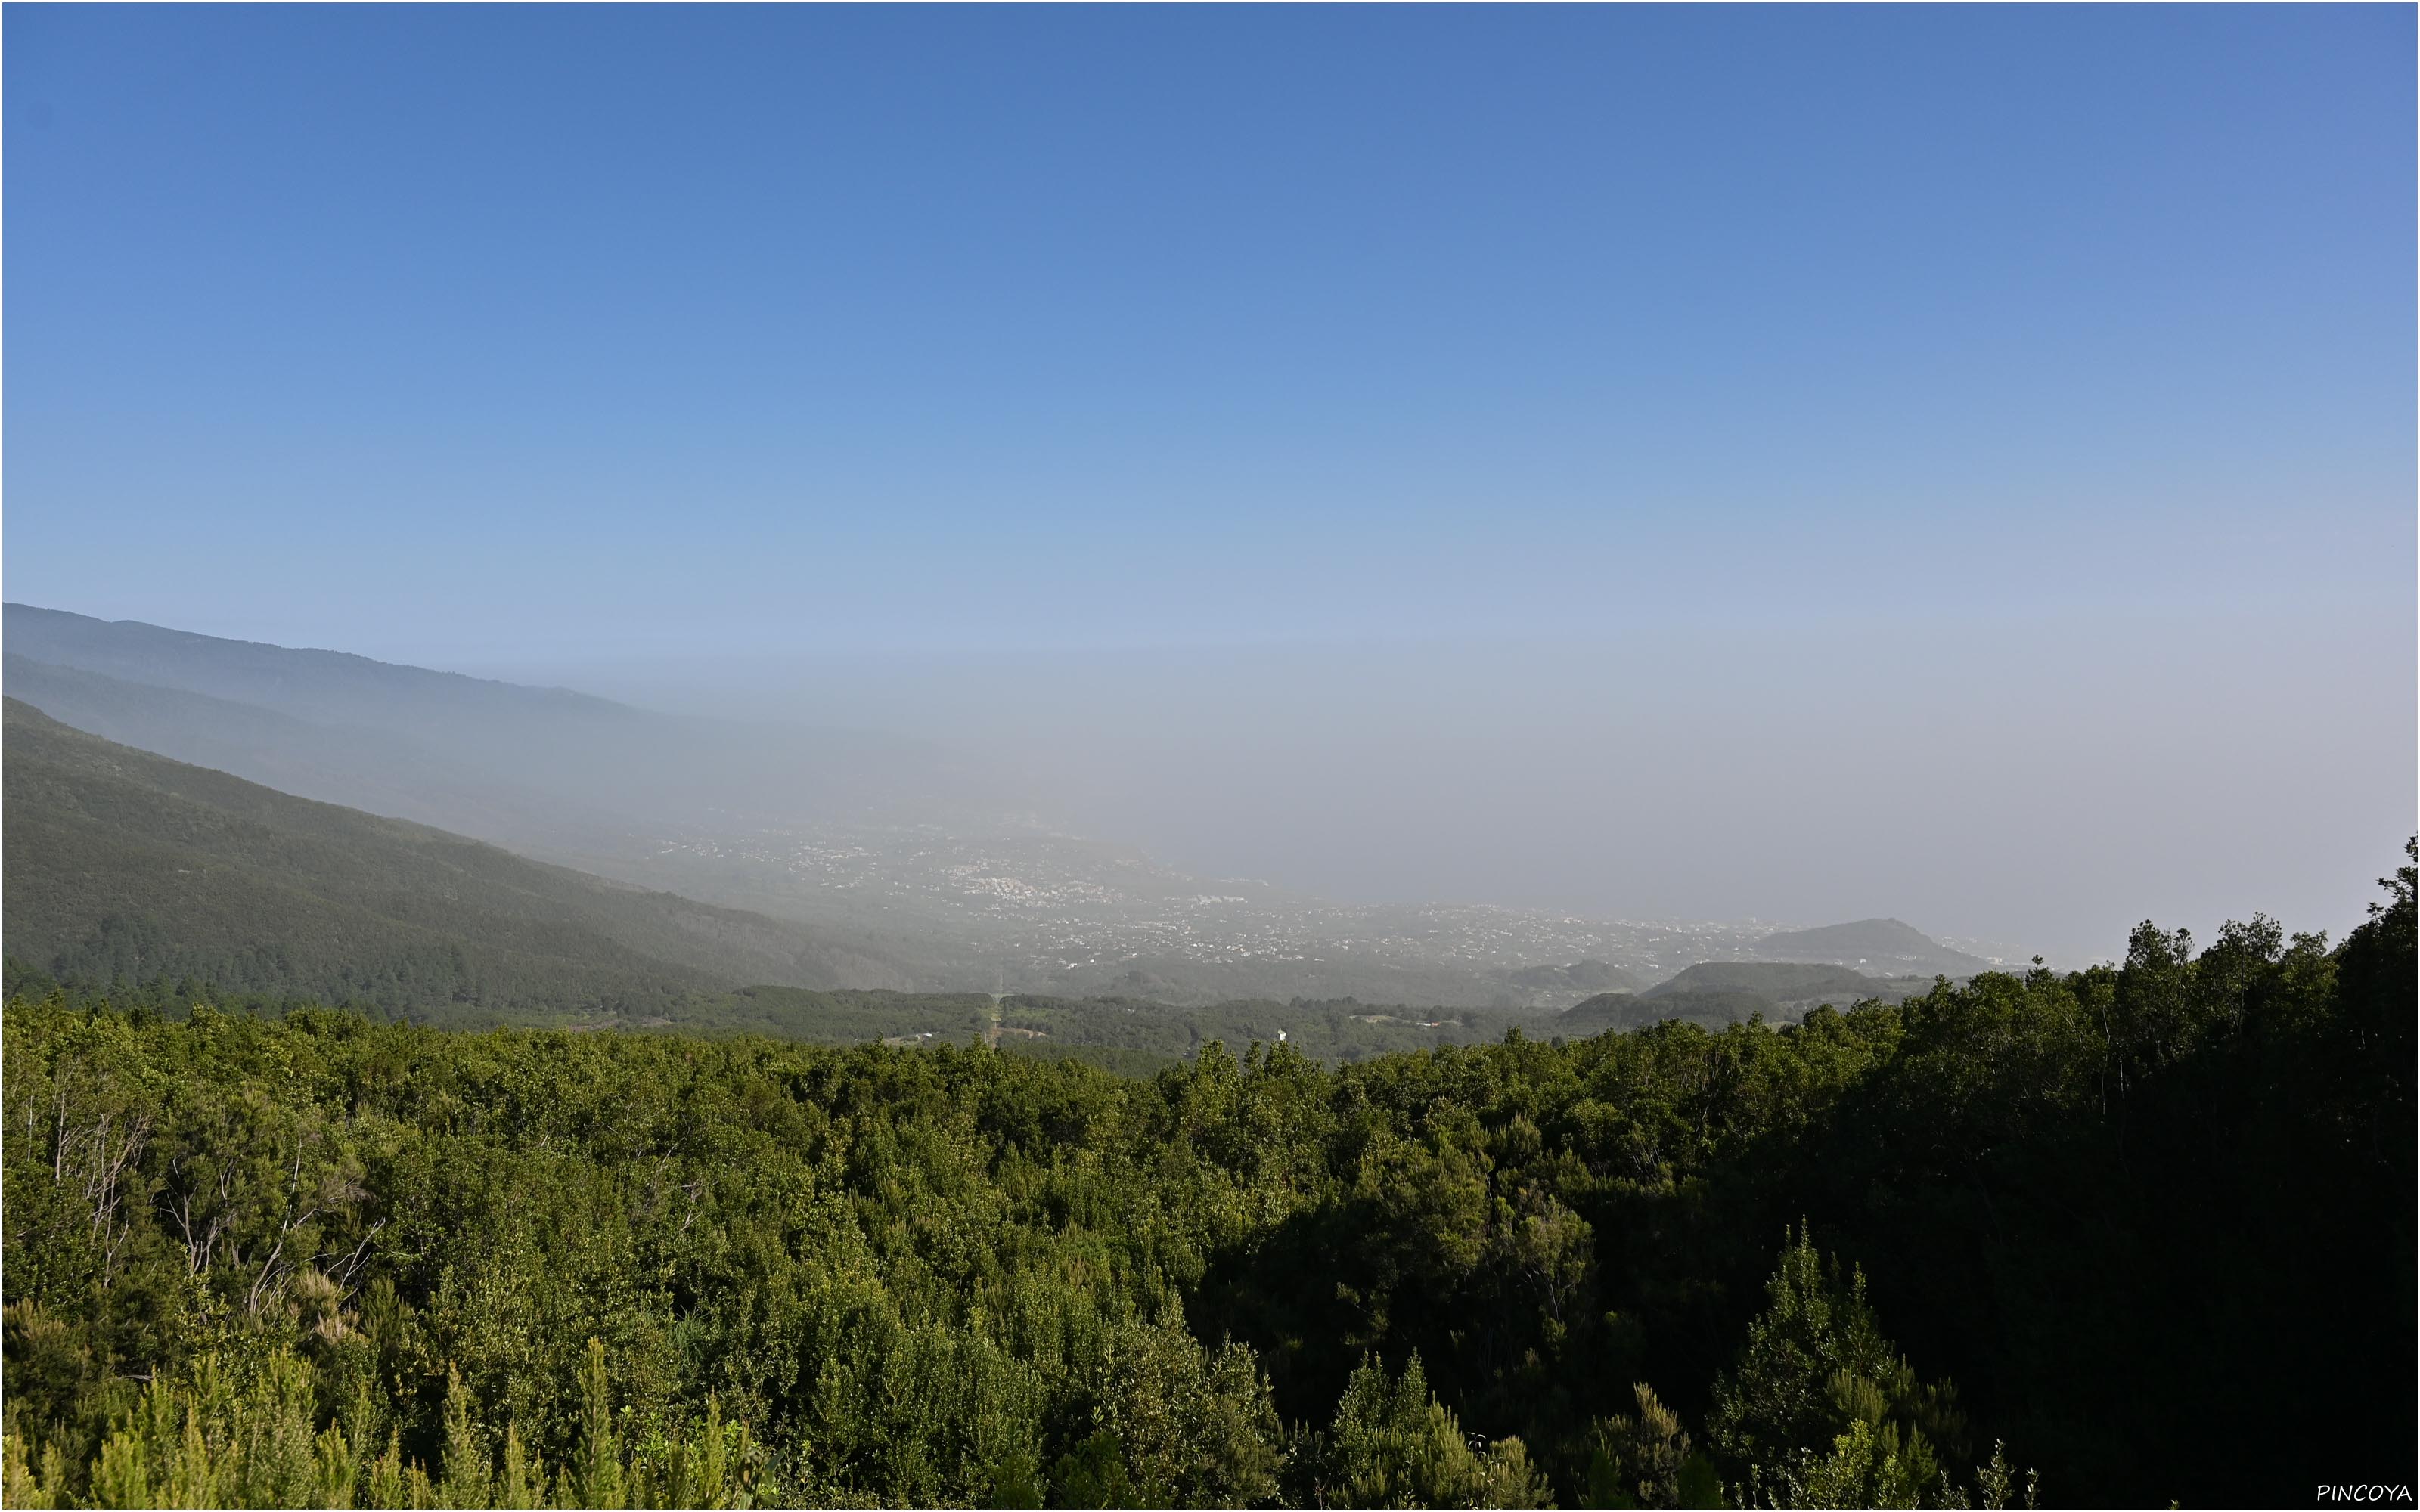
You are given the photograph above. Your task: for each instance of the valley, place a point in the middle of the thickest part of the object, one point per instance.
(913, 867)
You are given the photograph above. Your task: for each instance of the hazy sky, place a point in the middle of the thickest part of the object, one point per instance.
(1618, 400)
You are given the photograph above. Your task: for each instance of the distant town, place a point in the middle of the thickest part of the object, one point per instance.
(1058, 912)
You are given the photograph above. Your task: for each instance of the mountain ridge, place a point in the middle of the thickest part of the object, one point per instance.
(1889, 943)
(591, 754)
(378, 771)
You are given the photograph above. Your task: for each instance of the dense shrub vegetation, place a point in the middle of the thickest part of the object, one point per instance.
(2148, 1227)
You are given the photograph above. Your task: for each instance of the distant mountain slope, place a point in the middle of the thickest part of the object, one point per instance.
(317, 684)
(1877, 945)
(121, 863)
(379, 771)
(507, 741)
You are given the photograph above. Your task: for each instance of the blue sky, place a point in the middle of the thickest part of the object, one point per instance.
(823, 328)
(625, 345)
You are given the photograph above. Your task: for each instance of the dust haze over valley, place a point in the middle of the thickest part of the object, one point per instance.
(1505, 827)
(2007, 785)
(917, 861)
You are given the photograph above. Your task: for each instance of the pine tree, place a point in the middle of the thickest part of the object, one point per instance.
(518, 1486)
(466, 1482)
(710, 1462)
(386, 1487)
(335, 1468)
(1822, 1408)
(1394, 1445)
(596, 1463)
(1637, 1461)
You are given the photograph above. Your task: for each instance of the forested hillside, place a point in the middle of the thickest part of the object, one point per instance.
(2144, 1230)
(1133, 1034)
(1128, 1032)
(1716, 993)
(1876, 944)
(122, 864)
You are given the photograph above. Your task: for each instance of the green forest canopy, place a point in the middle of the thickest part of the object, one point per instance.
(2144, 1230)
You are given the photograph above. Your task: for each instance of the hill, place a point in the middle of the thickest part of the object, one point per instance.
(1709, 1009)
(1713, 993)
(1791, 987)
(124, 864)
(1778, 981)
(1876, 944)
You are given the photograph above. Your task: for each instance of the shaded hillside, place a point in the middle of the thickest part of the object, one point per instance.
(1710, 1010)
(1714, 993)
(124, 864)
(1877, 945)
